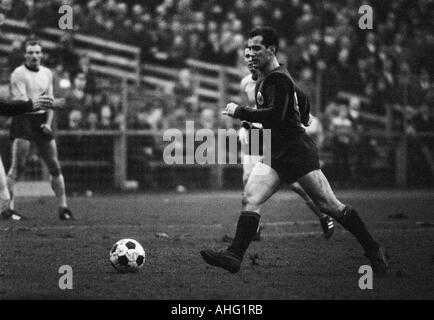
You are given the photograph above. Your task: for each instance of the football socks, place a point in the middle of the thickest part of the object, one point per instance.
(351, 221)
(246, 230)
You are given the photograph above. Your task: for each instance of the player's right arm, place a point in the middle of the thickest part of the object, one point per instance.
(18, 86)
(281, 98)
(46, 127)
(17, 107)
(14, 108)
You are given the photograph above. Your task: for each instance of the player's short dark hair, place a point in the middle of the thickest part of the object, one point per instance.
(32, 42)
(269, 36)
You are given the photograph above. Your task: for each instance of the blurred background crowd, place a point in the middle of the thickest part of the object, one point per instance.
(318, 40)
(316, 36)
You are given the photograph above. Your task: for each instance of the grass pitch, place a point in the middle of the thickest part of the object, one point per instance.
(292, 261)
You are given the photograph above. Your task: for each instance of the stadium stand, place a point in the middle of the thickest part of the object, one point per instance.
(371, 74)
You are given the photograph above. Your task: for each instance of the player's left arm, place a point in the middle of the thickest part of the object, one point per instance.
(46, 127)
(303, 106)
(308, 120)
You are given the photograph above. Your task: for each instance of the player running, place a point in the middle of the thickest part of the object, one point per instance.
(250, 157)
(29, 81)
(294, 157)
(14, 108)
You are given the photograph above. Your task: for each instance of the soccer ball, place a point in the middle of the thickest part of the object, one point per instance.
(127, 255)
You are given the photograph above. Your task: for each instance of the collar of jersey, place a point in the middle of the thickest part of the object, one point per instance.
(31, 69)
(271, 71)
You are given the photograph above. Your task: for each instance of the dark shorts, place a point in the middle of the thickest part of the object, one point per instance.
(298, 158)
(28, 127)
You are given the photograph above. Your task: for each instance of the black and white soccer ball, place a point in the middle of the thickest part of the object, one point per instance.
(127, 255)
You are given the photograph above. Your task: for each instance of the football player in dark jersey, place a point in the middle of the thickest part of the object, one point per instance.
(250, 157)
(293, 157)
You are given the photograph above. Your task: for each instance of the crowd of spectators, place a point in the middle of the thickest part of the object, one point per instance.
(83, 110)
(389, 65)
(316, 36)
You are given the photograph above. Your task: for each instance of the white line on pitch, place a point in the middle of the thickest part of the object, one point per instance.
(202, 226)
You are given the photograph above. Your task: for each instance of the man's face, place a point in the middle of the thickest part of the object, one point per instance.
(260, 55)
(80, 81)
(33, 55)
(249, 63)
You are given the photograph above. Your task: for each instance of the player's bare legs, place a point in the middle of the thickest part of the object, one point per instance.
(300, 191)
(4, 192)
(6, 213)
(48, 152)
(249, 162)
(20, 152)
(263, 182)
(318, 188)
(326, 222)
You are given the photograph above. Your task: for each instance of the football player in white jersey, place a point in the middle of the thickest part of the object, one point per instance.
(250, 158)
(29, 81)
